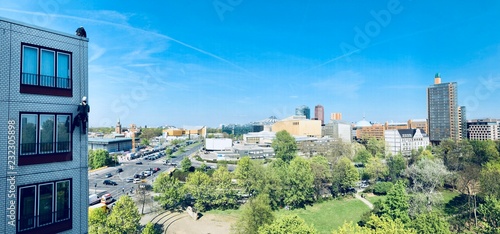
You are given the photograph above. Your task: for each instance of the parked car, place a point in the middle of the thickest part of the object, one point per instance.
(108, 175)
(137, 176)
(109, 182)
(128, 180)
(137, 180)
(119, 170)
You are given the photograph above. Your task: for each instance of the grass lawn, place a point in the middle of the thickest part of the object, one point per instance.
(448, 195)
(325, 216)
(330, 215)
(374, 198)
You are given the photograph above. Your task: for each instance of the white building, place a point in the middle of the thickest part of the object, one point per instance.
(338, 130)
(218, 144)
(483, 129)
(405, 140)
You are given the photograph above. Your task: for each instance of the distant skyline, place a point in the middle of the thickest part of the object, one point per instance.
(209, 62)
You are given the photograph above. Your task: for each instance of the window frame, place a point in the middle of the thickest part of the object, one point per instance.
(39, 157)
(54, 89)
(56, 225)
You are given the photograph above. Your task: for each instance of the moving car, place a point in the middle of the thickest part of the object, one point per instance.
(107, 198)
(93, 199)
(137, 180)
(119, 170)
(109, 182)
(108, 175)
(138, 163)
(128, 180)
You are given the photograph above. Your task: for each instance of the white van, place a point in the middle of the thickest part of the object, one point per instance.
(93, 199)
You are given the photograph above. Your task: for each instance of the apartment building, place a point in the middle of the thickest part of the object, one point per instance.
(43, 180)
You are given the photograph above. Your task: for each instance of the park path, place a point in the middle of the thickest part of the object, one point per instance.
(368, 203)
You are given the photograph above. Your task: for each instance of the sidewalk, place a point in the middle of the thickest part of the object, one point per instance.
(368, 203)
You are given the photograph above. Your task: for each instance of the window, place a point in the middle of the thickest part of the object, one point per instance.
(44, 138)
(45, 71)
(45, 207)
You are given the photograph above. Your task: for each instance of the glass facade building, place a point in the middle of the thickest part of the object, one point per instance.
(443, 111)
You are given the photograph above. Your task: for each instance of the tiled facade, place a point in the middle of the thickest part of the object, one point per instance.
(51, 177)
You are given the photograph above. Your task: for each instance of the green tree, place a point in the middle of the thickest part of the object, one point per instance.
(125, 216)
(249, 174)
(490, 179)
(386, 225)
(275, 175)
(287, 224)
(396, 164)
(363, 156)
(148, 133)
(345, 176)
(395, 206)
(224, 195)
(376, 168)
(199, 185)
(186, 164)
(490, 215)
(255, 213)
(99, 158)
(484, 151)
(320, 168)
(299, 183)
(375, 147)
(352, 228)
(170, 191)
(430, 223)
(144, 142)
(150, 229)
(97, 221)
(284, 146)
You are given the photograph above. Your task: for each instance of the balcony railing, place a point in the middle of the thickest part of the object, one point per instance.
(45, 148)
(46, 81)
(29, 222)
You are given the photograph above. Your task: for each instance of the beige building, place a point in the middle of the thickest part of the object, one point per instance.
(299, 126)
(177, 132)
(418, 124)
(483, 129)
(366, 130)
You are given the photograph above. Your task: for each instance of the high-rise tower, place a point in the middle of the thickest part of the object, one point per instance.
(442, 110)
(303, 110)
(319, 113)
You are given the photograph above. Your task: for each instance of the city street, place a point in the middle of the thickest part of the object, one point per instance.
(96, 178)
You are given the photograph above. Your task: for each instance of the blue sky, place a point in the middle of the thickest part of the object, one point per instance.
(236, 61)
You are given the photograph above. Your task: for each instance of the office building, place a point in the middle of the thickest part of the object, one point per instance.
(462, 121)
(338, 130)
(44, 180)
(319, 113)
(483, 129)
(442, 111)
(303, 110)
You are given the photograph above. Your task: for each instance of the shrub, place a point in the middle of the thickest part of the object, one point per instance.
(381, 188)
